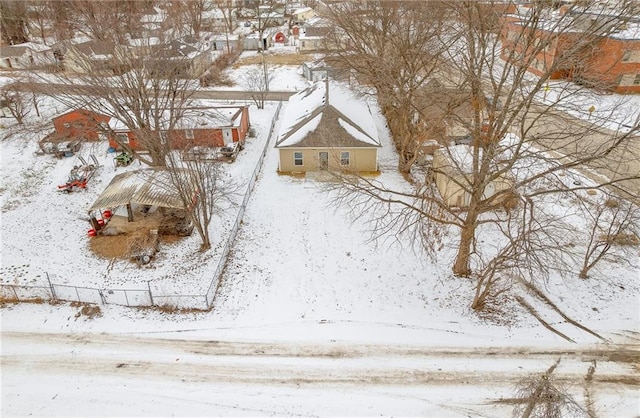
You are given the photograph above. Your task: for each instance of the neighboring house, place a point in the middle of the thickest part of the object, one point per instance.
(213, 20)
(452, 172)
(444, 113)
(93, 57)
(610, 61)
(320, 69)
(152, 23)
(301, 16)
(80, 123)
(26, 55)
(252, 41)
(325, 127)
(314, 38)
(183, 58)
(199, 127)
(226, 43)
(71, 129)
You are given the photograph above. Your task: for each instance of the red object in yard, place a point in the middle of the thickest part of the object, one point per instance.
(100, 222)
(92, 233)
(106, 214)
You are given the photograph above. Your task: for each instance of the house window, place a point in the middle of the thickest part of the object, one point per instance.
(66, 125)
(344, 158)
(297, 158)
(123, 138)
(189, 134)
(163, 137)
(636, 80)
(626, 56)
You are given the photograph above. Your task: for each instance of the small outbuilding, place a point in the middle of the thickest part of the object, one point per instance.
(453, 172)
(326, 127)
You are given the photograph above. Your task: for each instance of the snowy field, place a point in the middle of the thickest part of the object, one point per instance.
(311, 318)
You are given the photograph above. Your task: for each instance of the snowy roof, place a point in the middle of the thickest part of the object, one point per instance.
(343, 121)
(461, 156)
(144, 187)
(213, 13)
(117, 125)
(144, 42)
(596, 21)
(303, 10)
(34, 46)
(211, 118)
(96, 49)
(196, 118)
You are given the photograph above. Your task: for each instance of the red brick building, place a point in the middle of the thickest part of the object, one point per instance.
(79, 124)
(205, 127)
(609, 62)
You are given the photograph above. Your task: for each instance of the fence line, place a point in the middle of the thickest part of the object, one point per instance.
(215, 281)
(142, 297)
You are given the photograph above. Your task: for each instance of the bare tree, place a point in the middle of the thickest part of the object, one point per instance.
(193, 11)
(512, 135)
(396, 48)
(229, 13)
(38, 19)
(13, 19)
(612, 222)
(264, 13)
(138, 87)
(16, 101)
(543, 397)
(204, 187)
(257, 80)
(98, 22)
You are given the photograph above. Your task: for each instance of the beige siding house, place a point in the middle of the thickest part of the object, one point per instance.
(452, 173)
(321, 132)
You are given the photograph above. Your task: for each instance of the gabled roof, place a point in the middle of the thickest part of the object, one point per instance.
(82, 114)
(312, 121)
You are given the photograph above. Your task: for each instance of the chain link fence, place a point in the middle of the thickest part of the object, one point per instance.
(142, 297)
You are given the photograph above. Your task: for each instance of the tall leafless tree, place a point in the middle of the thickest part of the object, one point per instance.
(146, 93)
(204, 187)
(13, 22)
(229, 18)
(514, 132)
(394, 47)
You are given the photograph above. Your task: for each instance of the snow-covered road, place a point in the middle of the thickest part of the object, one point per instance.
(106, 374)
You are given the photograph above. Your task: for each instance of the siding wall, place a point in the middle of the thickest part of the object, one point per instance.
(360, 159)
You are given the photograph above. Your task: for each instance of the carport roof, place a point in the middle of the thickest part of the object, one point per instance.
(145, 187)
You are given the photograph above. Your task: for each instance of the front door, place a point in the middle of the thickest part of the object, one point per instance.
(226, 136)
(324, 160)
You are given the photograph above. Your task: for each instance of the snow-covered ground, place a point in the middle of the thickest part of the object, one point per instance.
(302, 276)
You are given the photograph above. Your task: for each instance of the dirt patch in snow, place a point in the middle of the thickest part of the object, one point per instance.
(275, 59)
(119, 235)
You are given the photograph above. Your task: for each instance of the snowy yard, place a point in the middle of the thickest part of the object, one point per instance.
(304, 296)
